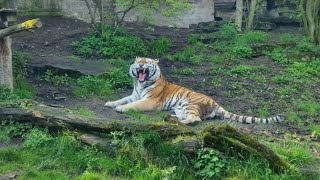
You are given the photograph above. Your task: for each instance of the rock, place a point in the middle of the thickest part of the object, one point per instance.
(63, 65)
(205, 27)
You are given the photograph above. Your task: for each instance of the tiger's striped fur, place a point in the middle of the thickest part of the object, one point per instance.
(152, 92)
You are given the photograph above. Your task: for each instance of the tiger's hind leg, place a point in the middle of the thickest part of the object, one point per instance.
(190, 116)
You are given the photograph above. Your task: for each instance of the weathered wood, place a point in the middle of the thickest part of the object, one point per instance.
(222, 138)
(61, 118)
(6, 76)
(30, 24)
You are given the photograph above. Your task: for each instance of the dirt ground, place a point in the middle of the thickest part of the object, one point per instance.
(57, 33)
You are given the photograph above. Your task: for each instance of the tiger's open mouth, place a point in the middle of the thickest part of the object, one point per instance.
(142, 74)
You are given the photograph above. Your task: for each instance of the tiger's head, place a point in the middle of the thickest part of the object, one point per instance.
(145, 69)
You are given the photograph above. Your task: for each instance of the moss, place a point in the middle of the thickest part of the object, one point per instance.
(226, 138)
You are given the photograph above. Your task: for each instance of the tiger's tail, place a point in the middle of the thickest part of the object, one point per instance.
(248, 119)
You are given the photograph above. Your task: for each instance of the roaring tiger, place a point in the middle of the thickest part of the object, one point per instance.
(152, 92)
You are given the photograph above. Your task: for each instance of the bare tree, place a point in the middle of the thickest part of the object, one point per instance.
(310, 10)
(239, 15)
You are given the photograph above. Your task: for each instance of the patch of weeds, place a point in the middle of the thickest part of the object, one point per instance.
(304, 69)
(159, 46)
(118, 45)
(246, 70)
(141, 116)
(88, 85)
(260, 79)
(23, 89)
(209, 164)
(315, 129)
(185, 54)
(263, 112)
(305, 45)
(217, 58)
(84, 111)
(19, 63)
(184, 71)
(216, 82)
(287, 38)
(119, 78)
(192, 39)
(252, 37)
(285, 91)
(227, 32)
(240, 50)
(281, 79)
(295, 153)
(309, 107)
(257, 168)
(56, 80)
(277, 55)
(9, 129)
(293, 116)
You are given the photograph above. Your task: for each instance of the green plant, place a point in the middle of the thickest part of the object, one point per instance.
(245, 70)
(56, 80)
(19, 63)
(287, 38)
(209, 164)
(252, 37)
(305, 45)
(118, 45)
(88, 85)
(227, 32)
(9, 129)
(85, 112)
(185, 71)
(159, 46)
(277, 55)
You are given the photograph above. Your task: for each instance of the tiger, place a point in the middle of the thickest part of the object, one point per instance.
(152, 92)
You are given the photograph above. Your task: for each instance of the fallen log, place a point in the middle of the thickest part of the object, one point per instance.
(222, 138)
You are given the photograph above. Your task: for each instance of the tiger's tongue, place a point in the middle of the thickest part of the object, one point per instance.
(142, 76)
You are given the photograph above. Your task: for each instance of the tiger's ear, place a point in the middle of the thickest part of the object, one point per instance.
(137, 58)
(156, 61)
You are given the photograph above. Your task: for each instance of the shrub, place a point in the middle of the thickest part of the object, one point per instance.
(159, 46)
(119, 45)
(209, 165)
(227, 32)
(93, 85)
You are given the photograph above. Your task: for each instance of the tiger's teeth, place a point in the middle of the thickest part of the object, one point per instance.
(144, 71)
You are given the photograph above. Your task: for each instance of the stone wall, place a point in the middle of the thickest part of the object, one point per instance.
(202, 11)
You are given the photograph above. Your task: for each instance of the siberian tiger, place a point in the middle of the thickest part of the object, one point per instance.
(152, 92)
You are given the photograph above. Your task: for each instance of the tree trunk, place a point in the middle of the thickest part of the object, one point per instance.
(252, 11)
(239, 15)
(222, 138)
(6, 76)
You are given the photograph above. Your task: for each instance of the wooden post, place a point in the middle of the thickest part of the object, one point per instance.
(7, 18)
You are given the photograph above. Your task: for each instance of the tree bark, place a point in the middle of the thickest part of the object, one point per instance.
(252, 11)
(30, 24)
(222, 138)
(6, 75)
(239, 15)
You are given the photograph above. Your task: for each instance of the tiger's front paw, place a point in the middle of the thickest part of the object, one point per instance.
(110, 104)
(121, 109)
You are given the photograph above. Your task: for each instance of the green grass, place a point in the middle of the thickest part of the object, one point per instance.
(184, 71)
(140, 156)
(84, 111)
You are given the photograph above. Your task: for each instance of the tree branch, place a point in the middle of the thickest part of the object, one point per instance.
(30, 24)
